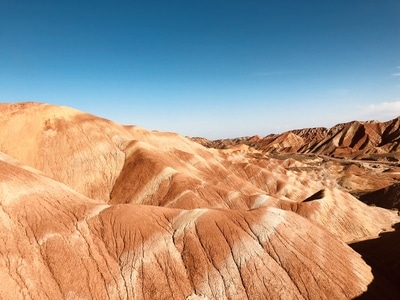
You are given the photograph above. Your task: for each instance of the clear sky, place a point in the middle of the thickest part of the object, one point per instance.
(206, 68)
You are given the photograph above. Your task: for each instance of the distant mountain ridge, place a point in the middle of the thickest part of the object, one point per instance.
(352, 139)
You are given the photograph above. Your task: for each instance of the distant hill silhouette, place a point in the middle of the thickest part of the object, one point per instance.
(352, 139)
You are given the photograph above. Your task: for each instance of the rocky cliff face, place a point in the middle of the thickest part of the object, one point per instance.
(102, 210)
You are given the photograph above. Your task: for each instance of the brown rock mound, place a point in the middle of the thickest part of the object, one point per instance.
(84, 249)
(104, 210)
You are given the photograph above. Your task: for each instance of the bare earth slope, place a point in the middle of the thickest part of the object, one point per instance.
(104, 210)
(353, 139)
(361, 157)
(85, 249)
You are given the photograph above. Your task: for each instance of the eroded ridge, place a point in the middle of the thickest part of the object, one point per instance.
(105, 211)
(85, 249)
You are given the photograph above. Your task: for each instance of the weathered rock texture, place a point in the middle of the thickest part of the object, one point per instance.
(343, 140)
(102, 210)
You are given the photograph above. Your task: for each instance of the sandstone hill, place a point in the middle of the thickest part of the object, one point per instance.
(352, 140)
(361, 157)
(101, 210)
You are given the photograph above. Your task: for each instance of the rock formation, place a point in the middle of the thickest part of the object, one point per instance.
(102, 210)
(351, 140)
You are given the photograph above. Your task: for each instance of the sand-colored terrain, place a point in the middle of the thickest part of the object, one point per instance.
(91, 209)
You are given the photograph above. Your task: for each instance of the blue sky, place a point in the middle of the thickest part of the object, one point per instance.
(206, 68)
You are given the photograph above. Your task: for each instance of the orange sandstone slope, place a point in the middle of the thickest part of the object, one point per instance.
(127, 164)
(150, 214)
(83, 248)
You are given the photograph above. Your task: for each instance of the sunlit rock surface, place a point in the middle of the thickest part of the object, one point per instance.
(102, 210)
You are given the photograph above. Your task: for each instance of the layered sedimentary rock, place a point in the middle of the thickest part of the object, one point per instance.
(86, 249)
(102, 210)
(351, 139)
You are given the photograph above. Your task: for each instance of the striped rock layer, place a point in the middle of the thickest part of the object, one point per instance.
(91, 209)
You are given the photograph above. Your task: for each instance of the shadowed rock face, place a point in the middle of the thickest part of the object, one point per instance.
(102, 210)
(388, 197)
(383, 255)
